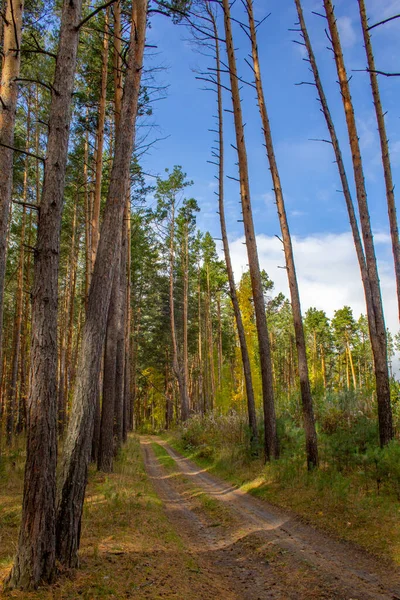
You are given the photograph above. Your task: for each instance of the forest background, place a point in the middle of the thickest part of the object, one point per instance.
(328, 272)
(136, 327)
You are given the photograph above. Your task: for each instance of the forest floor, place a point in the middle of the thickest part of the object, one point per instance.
(254, 549)
(160, 527)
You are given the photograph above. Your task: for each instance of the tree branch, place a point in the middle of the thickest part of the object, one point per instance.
(22, 151)
(383, 22)
(94, 12)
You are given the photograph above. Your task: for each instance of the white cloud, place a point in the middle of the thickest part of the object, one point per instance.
(382, 9)
(348, 36)
(327, 270)
(367, 130)
(268, 198)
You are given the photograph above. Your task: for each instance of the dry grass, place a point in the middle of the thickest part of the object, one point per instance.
(128, 549)
(340, 506)
(201, 502)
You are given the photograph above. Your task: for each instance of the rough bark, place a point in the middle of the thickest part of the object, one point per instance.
(271, 439)
(106, 442)
(127, 385)
(12, 416)
(378, 337)
(120, 355)
(95, 225)
(67, 326)
(11, 56)
(79, 437)
(88, 220)
(387, 167)
(305, 388)
(36, 545)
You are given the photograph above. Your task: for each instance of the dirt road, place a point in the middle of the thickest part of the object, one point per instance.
(255, 550)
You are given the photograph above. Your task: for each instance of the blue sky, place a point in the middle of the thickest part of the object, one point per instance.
(325, 257)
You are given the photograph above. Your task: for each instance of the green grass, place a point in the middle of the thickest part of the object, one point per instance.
(213, 508)
(163, 457)
(128, 545)
(340, 503)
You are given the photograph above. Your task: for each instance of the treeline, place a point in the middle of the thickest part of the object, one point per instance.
(117, 312)
(339, 351)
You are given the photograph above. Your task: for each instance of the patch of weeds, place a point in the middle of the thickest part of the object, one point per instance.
(163, 457)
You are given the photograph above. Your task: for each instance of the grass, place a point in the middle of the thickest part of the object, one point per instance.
(128, 547)
(200, 500)
(338, 503)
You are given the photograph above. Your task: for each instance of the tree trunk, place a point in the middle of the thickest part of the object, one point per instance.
(185, 268)
(271, 439)
(16, 344)
(120, 356)
(95, 226)
(88, 220)
(251, 408)
(127, 384)
(210, 344)
(305, 388)
(353, 373)
(177, 367)
(80, 430)
(380, 361)
(11, 56)
(200, 346)
(219, 340)
(387, 167)
(35, 558)
(67, 325)
(106, 442)
(378, 335)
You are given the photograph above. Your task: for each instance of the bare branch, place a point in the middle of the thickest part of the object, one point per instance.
(383, 22)
(22, 151)
(94, 12)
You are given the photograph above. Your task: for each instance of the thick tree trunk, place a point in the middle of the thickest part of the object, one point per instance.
(67, 325)
(305, 388)
(387, 167)
(88, 219)
(127, 385)
(106, 442)
(95, 225)
(120, 355)
(11, 56)
(80, 430)
(271, 439)
(378, 337)
(35, 558)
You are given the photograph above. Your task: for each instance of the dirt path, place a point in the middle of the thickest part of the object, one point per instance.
(255, 550)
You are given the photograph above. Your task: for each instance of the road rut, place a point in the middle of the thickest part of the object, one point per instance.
(261, 552)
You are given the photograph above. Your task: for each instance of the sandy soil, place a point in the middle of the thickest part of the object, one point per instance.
(256, 551)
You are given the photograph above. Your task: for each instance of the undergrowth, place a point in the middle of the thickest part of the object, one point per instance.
(128, 547)
(354, 493)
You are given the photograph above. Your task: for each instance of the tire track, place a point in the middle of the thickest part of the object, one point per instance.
(334, 569)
